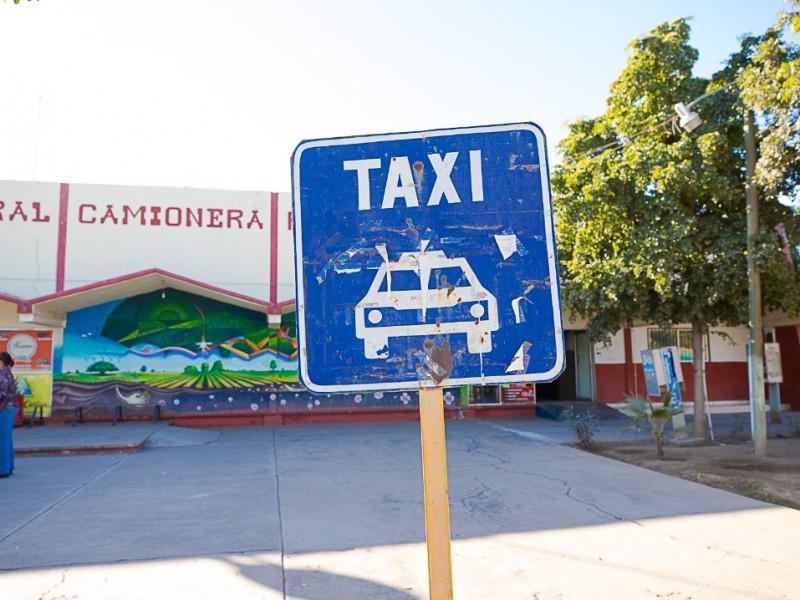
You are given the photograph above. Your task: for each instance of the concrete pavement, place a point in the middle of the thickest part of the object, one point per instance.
(335, 512)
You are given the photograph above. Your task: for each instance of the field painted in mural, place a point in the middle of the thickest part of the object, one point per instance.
(188, 354)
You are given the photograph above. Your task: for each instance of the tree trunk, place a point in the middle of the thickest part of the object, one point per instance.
(660, 448)
(699, 364)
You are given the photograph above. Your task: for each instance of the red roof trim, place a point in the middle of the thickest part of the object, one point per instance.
(271, 307)
(13, 300)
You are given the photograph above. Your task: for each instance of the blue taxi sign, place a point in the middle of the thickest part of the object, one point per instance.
(426, 259)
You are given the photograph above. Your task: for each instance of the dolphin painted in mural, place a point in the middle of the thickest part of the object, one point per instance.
(134, 398)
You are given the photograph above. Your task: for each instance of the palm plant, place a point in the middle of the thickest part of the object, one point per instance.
(656, 415)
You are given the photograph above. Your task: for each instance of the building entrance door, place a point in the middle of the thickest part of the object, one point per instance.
(577, 380)
(584, 367)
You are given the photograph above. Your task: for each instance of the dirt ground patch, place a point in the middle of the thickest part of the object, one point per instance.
(726, 464)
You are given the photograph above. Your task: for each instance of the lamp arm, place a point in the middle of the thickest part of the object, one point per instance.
(711, 93)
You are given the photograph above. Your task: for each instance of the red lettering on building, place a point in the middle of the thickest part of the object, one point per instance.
(235, 216)
(81, 218)
(197, 217)
(254, 220)
(18, 212)
(37, 214)
(173, 216)
(155, 216)
(127, 211)
(214, 215)
(23, 210)
(109, 215)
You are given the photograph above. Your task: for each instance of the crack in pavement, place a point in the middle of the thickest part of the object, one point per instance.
(477, 449)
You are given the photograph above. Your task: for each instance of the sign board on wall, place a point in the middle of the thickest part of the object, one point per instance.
(773, 372)
(651, 376)
(31, 350)
(662, 369)
(426, 259)
(520, 392)
(32, 353)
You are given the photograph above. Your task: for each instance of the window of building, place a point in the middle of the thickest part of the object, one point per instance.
(676, 336)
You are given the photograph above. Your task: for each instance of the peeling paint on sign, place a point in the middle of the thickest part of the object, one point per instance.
(418, 256)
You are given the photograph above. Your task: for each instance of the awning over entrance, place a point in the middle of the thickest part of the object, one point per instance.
(51, 310)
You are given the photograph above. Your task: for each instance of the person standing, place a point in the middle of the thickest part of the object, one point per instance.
(8, 410)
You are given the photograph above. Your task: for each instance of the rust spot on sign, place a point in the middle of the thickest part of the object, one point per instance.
(439, 361)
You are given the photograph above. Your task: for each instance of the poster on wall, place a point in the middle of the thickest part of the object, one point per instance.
(773, 372)
(32, 351)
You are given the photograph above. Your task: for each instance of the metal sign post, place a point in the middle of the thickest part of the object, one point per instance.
(424, 260)
(437, 506)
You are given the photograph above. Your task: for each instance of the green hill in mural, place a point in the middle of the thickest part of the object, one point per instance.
(216, 377)
(195, 323)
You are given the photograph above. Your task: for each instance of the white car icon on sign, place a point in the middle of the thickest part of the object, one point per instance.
(422, 294)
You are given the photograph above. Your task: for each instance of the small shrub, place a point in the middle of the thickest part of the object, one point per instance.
(584, 426)
(657, 415)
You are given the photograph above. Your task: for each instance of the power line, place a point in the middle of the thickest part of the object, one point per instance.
(666, 122)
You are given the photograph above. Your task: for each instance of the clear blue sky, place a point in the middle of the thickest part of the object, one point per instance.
(216, 94)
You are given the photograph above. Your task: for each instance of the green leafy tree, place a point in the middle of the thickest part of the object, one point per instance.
(770, 84)
(768, 75)
(102, 367)
(651, 221)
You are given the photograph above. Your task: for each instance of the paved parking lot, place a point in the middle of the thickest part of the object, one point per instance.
(336, 512)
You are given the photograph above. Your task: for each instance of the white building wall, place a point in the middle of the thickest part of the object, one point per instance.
(638, 343)
(612, 354)
(29, 234)
(727, 344)
(220, 238)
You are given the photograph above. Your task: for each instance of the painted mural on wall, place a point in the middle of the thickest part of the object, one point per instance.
(187, 354)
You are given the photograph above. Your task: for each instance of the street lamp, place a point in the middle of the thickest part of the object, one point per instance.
(689, 121)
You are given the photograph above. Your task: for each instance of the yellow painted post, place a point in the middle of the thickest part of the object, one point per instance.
(434, 478)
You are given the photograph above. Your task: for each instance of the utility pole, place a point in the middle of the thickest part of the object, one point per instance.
(758, 419)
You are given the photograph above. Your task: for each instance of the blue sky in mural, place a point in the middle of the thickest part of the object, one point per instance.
(84, 345)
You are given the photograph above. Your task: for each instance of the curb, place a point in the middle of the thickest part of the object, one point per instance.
(76, 450)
